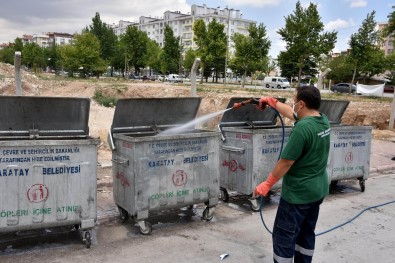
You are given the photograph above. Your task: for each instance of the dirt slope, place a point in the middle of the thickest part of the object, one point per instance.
(361, 111)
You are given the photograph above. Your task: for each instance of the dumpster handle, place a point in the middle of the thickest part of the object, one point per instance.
(121, 161)
(110, 141)
(233, 149)
(222, 133)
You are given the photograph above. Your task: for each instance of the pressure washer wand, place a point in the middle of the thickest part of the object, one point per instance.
(243, 103)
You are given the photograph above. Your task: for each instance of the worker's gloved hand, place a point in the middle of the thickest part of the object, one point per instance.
(264, 101)
(264, 188)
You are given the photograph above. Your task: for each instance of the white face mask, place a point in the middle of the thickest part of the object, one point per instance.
(293, 109)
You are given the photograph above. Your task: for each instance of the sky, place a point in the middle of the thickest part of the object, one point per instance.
(19, 17)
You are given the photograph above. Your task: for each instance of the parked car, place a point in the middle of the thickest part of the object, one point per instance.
(344, 88)
(132, 76)
(388, 89)
(145, 78)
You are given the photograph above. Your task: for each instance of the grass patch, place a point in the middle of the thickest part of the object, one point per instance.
(102, 99)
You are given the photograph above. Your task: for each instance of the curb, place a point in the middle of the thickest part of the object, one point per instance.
(383, 168)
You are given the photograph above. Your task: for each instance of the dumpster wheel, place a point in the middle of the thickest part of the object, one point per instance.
(145, 227)
(224, 195)
(87, 239)
(123, 215)
(206, 214)
(362, 184)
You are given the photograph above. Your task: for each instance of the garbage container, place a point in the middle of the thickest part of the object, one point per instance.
(48, 164)
(251, 146)
(154, 172)
(350, 148)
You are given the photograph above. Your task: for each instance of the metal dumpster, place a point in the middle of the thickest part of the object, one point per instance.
(154, 172)
(47, 164)
(250, 150)
(349, 156)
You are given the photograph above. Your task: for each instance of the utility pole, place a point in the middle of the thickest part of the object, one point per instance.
(17, 65)
(193, 76)
(227, 49)
(392, 114)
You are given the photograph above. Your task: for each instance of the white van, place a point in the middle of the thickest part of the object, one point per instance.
(174, 78)
(276, 82)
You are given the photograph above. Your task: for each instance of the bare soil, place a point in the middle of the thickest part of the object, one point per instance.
(361, 110)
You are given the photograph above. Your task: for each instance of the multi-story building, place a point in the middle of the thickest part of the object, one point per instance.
(27, 39)
(120, 28)
(41, 40)
(388, 44)
(59, 39)
(5, 45)
(182, 24)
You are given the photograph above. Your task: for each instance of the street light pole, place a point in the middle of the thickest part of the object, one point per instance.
(227, 49)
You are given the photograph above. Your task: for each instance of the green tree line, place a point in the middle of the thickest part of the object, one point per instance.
(96, 50)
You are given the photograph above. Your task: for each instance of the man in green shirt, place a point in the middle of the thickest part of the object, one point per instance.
(302, 166)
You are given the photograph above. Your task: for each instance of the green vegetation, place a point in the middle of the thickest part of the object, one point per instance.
(96, 50)
(305, 42)
(106, 101)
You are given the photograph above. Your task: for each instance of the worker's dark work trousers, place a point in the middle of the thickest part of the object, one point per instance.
(293, 232)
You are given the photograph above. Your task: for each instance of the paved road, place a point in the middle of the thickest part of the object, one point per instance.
(235, 230)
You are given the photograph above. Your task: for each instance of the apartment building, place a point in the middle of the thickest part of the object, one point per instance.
(47, 39)
(182, 24)
(388, 44)
(59, 39)
(121, 27)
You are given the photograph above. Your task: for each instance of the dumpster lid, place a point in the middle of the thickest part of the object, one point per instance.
(248, 115)
(43, 117)
(334, 109)
(153, 114)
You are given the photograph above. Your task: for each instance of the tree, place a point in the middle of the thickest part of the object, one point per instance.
(391, 24)
(364, 47)
(83, 55)
(7, 54)
(268, 65)
(305, 39)
(107, 38)
(216, 47)
(190, 56)
(18, 44)
(51, 55)
(33, 57)
(250, 50)
(200, 38)
(171, 51)
(134, 45)
(341, 69)
(153, 55)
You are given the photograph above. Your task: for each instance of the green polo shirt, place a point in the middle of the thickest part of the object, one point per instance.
(308, 144)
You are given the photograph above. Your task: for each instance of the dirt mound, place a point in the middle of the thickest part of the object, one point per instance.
(361, 111)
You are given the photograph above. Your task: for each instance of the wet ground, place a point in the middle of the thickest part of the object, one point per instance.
(182, 236)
